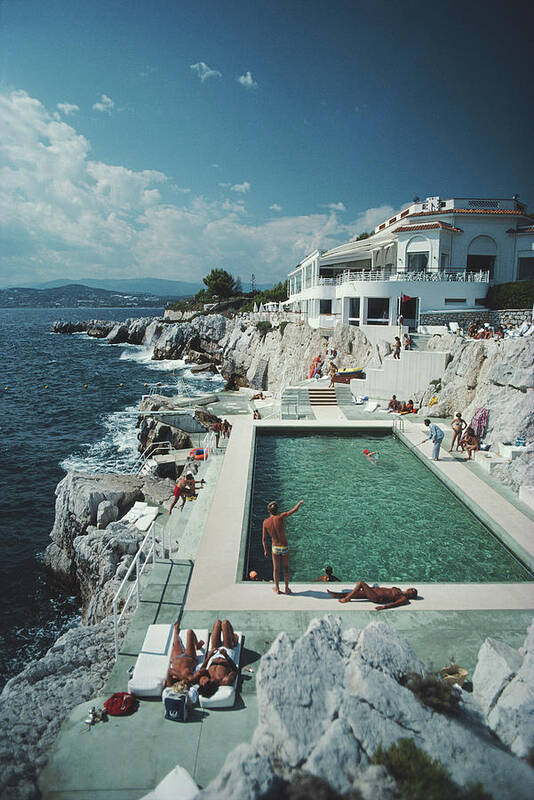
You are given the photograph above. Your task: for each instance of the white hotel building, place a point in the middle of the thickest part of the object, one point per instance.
(442, 254)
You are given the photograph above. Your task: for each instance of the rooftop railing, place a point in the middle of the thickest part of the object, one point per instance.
(459, 275)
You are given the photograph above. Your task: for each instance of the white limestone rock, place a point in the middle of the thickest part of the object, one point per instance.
(512, 715)
(35, 702)
(497, 664)
(172, 340)
(102, 559)
(106, 512)
(118, 334)
(328, 701)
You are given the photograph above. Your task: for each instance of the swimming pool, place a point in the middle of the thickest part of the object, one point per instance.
(391, 522)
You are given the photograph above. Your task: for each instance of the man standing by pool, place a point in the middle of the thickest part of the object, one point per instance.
(436, 434)
(274, 526)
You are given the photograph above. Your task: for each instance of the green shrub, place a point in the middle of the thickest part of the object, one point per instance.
(431, 690)
(420, 777)
(263, 328)
(283, 326)
(519, 294)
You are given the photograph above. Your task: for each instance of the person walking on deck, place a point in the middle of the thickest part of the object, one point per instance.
(274, 526)
(436, 434)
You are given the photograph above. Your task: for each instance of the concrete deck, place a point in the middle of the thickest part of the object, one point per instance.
(218, 557)
(126, 757)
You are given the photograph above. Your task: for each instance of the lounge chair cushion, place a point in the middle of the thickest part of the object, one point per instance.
(225, 696)
(150, 672)
(177, 784)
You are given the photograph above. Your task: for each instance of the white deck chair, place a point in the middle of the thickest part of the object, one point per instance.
(224, 697)
(150, 671)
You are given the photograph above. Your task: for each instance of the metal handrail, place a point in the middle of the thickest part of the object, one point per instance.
(151, 535)
(156, 448)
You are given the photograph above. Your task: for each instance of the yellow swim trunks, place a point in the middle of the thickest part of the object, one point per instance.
(280, 550)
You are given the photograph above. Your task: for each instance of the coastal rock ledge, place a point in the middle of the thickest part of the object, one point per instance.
(330, 700)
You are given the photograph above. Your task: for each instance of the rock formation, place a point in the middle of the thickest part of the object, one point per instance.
(84, 556)
(330, 700)
(35, 702)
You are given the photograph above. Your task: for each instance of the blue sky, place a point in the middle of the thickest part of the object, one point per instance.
(166, 138)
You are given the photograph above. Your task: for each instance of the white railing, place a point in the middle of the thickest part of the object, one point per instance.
(398, 424)
(460, 275)
(156, 448)
(146, 549)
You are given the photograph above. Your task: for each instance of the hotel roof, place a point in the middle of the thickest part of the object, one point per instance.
(428, 226)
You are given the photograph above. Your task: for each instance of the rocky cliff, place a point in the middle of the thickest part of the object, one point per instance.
(492, 374)
(35, 702)
(330, 700)
(91, 548)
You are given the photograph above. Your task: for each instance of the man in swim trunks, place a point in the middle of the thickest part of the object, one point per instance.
(274, 526)
(183, 663)
(185, 487)
(391, 597)
(218, 669)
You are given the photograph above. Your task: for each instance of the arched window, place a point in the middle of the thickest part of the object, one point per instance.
(481, 254)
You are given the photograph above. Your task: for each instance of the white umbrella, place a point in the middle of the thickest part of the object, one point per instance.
(261, 308)
(255, 308)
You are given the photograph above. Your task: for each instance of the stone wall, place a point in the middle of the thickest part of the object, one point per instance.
(506, 316)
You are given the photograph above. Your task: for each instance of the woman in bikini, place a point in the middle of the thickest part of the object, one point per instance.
(183, 662)
(458, 425)
(218, 669)
(470, 443)
(396, 347)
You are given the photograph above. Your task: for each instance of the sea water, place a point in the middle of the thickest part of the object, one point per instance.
(67, 402)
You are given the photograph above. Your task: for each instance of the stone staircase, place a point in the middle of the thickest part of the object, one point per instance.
(322, 397)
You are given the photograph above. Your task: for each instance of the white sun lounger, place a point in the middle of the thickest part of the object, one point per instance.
(150, 672)
(224, 697)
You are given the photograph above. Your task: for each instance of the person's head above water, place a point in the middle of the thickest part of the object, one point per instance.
(272, 507)
(366, 452)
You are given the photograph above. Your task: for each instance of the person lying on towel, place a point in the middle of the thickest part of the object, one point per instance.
(218, 669)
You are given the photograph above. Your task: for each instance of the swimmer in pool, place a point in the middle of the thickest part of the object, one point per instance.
(369, 456)
(274, 526)
(327, 577)
(391, 597)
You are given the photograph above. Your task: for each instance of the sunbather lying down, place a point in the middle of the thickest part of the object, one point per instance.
(391, 597)
(183, 663)
(218, 669)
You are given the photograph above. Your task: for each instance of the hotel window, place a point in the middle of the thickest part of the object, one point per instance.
(308, 275)
(444, 260)
(298, 282)
(455, 300)
(354, 310)
(378, 311)
(418, 262)
(525, 270)
(325, 306)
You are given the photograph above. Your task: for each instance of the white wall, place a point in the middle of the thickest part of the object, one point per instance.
(402, 377)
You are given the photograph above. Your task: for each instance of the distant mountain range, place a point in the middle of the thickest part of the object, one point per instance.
(77, 295)
(155, 286)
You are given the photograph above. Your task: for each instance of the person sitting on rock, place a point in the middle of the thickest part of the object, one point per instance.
(470, 442)
(391, 597)
(218, 669)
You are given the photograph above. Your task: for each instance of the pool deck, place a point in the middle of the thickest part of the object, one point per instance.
(126, 757)
(217, 562)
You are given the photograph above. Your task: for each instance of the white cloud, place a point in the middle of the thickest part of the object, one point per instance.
(368, 220)
(224, 185)
(68, 108)
(64, 214)
(180, 189)
(334, 206)
(241, 188)
(105, 104)
(275, 207)
(214, 166)
(204, 72)
(247, 81)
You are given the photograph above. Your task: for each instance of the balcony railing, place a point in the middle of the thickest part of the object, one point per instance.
(460, 275)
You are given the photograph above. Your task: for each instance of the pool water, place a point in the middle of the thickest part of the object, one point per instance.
(393, 521)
